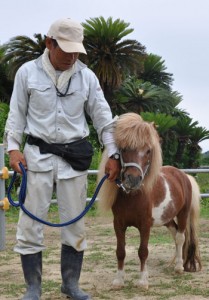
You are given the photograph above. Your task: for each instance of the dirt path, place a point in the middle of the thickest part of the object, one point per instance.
(100, 266)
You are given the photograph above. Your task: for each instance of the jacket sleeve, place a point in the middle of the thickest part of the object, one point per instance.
(16, 120)
(98, 108)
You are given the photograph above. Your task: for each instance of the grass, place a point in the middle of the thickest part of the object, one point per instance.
(204, 208)
(101, 256)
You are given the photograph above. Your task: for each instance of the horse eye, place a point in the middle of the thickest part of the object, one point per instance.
(148, 151)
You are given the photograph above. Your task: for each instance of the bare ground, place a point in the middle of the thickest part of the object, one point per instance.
(100, 266)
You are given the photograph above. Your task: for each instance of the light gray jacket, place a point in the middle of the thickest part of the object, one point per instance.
(36, 109)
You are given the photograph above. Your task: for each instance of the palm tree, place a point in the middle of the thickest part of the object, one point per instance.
(21, 49)
(5, 83)
(162, 121)
(4, 110)
(138, 96)
(198, 135)
(111, 56)
(164, 124)
(155, 72)
(183, 129)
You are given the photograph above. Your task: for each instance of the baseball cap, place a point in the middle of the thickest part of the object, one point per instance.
(68, 34)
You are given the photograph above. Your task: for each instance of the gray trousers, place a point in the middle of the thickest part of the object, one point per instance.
(71, 198)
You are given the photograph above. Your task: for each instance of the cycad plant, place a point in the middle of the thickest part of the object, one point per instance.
(5, 82)
(198, 134)
(154, 71)
(21, 49)
(164, 124)
(139, 96)
(110, 55)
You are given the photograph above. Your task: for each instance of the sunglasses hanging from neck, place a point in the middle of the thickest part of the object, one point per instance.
(60, 94)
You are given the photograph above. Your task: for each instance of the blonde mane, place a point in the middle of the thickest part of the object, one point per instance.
(131, 132)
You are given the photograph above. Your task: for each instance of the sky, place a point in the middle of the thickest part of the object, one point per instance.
(176, 30)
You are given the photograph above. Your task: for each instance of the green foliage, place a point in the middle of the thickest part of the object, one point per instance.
(162, 121)
(21, 49)
(203, 181)
(132, 80)
(5, 83)
(111, 56)
(4, 109)
(164, 125)
(205, 159)
(189, 135)
(155, 72)
(204, 212)
(139, 96)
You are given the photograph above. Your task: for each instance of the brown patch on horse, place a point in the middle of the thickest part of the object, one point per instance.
(180, 189)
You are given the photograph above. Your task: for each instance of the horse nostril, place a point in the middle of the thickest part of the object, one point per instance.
(132, 181)
(129, 177)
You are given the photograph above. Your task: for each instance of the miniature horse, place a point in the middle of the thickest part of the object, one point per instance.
(150, 195)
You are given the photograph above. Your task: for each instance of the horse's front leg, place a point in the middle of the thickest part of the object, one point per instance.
(118, 282)
(143, 255)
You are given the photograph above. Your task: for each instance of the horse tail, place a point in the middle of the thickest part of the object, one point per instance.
(191, 254)
(109, 190)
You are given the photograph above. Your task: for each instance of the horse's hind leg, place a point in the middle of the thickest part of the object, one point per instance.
(118, 282)
(179, 239)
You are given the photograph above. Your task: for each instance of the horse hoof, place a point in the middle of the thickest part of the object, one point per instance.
(118, 284)
(143, 285)
(179, 270)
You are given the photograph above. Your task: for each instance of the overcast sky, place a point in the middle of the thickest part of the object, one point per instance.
(176, 30)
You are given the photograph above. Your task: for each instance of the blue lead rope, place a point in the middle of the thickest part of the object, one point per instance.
(22, 196)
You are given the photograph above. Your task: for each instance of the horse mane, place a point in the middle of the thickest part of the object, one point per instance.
(132, 132)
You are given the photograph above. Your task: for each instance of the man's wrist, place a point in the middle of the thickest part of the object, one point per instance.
(115, 156)
(13, 150)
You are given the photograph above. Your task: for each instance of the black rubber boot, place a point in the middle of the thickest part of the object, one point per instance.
(32, 269)
(71, 264)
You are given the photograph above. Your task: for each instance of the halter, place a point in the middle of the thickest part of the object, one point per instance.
(131, 164)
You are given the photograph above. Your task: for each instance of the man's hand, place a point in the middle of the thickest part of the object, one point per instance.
(112, 168)
(15, 157)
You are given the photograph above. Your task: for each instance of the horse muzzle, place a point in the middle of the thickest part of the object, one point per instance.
(131, 183)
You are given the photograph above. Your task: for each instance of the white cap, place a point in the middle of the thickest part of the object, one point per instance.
(68, 34)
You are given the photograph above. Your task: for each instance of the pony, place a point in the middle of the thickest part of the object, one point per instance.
(149, 195)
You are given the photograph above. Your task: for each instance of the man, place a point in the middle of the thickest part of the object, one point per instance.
(50, 98)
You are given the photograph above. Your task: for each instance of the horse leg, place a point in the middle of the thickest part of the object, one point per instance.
(172, 227)
(143, 255)
(118, 282)
(179, 239)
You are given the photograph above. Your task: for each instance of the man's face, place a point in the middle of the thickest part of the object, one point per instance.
(60, 60)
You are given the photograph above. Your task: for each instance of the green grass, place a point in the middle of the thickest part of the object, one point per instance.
(204, 208)
(101, 255)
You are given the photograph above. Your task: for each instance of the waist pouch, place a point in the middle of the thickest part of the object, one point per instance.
(78, 154)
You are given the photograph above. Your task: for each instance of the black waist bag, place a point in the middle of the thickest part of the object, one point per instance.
(78, 154)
